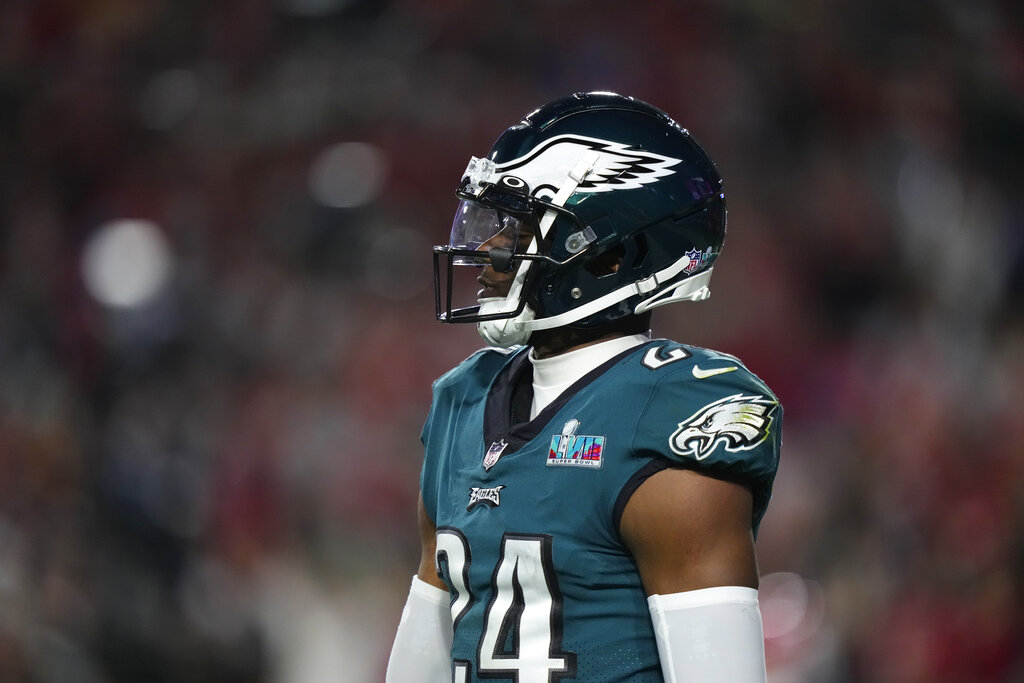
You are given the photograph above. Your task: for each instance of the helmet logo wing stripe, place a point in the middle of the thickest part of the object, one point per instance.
(615, 166)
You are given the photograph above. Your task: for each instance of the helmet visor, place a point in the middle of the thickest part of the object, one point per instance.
(500, 245)
(479, 228)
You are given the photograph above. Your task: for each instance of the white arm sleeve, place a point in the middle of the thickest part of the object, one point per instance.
(422, 649)
(712, 635)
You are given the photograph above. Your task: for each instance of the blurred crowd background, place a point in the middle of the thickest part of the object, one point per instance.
(217, 335)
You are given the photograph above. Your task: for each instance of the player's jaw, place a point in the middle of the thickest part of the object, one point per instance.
(493, 285)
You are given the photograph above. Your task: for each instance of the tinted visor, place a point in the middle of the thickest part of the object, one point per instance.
(479, 228)
(483, 236)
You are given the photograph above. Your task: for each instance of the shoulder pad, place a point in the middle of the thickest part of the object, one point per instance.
(710, 412)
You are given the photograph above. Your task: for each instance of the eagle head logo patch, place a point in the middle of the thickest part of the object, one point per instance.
(737, 423)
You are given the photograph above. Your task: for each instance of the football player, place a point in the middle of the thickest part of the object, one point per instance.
(590, 495)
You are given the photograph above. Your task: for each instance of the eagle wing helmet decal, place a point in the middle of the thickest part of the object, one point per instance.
(615, 166)
(737, 422)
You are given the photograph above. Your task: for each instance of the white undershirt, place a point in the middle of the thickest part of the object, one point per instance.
(552, 376)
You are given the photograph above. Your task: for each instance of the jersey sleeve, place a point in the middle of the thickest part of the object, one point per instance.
(714, 416)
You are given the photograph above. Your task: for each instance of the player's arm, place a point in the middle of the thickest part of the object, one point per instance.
(428, 545)
(694, 548)
(422, 649)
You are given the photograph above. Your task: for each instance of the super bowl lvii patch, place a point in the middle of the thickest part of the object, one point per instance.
(575, 450)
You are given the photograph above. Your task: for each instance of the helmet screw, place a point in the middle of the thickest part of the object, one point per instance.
(576, 292)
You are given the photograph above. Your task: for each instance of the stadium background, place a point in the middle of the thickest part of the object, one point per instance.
(217, 334)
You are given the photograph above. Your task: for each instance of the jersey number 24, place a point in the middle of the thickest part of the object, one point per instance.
(522, 632)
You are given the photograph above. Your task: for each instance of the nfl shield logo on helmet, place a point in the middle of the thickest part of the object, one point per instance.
(493, 453)
(695, 256)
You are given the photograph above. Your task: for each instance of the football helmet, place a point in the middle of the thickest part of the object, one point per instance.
(601, 205)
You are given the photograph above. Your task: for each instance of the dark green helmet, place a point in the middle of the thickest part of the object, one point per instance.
(625, 209)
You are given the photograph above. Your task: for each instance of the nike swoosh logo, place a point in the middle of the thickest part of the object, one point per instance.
(704, 374)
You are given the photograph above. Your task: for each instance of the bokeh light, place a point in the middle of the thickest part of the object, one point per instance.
(347, 175)
(126, 263)
(792, 607)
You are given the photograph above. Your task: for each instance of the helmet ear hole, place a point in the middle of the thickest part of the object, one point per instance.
(606, 263)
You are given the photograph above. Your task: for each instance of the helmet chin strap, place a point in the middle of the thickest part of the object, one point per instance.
(693, 288)
(505, 332)
(512, 331)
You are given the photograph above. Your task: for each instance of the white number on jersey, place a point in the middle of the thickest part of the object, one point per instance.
(655, 359)
(522, 636)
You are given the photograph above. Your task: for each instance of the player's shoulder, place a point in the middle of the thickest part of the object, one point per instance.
(706, 410)
(707, 398)
(481, 366)
(675, 367)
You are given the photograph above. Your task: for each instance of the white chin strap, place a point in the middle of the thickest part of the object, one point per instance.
(505, 332)
(512, 331)
(694, 288)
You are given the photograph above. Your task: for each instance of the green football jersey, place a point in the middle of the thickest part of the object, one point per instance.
(527, 511)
